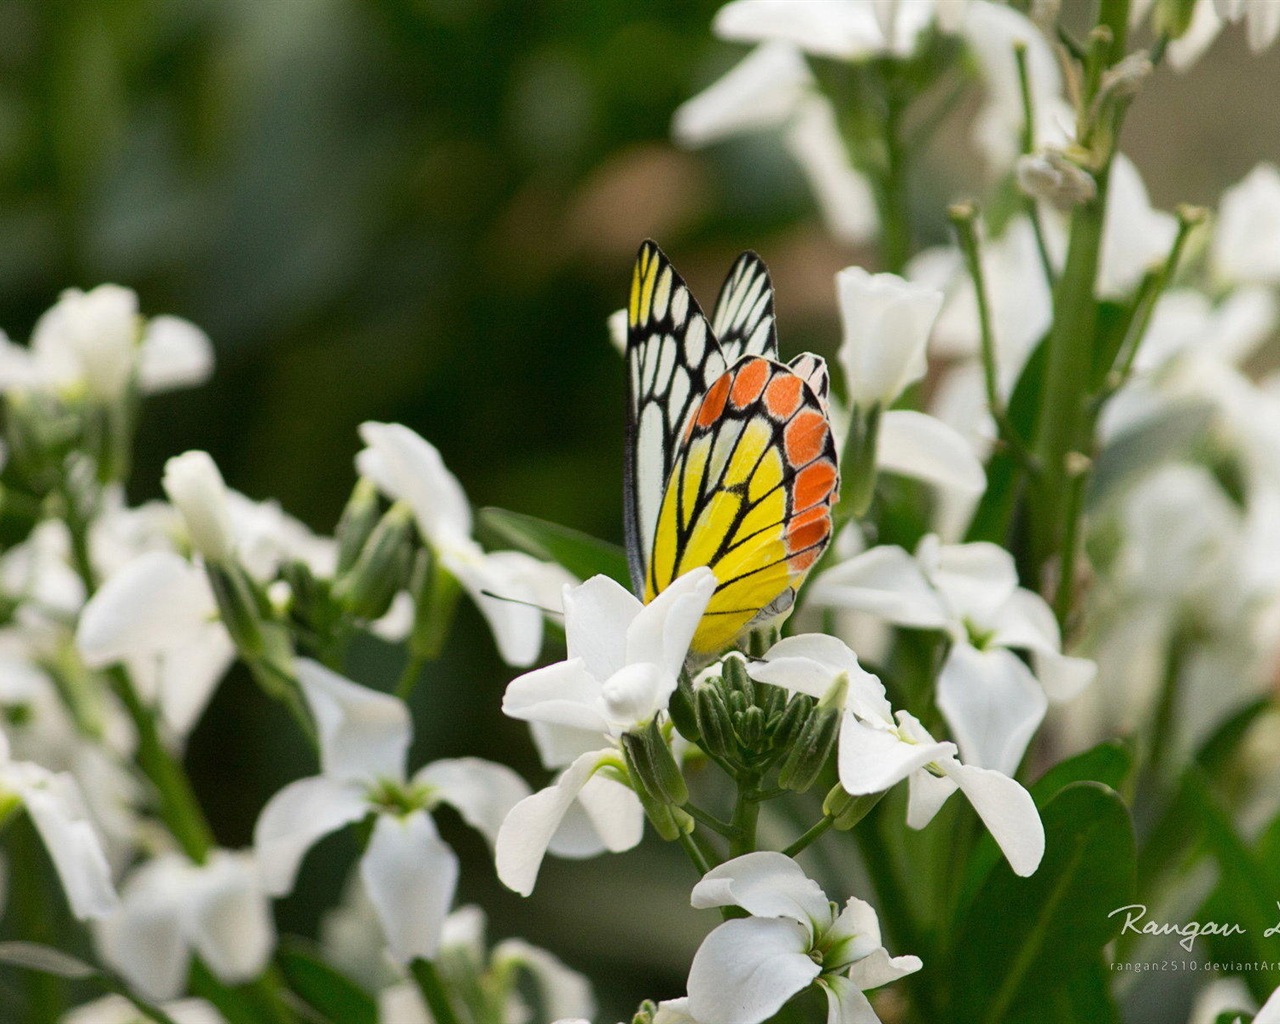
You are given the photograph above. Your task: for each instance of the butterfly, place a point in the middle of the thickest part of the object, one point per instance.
(730, 460)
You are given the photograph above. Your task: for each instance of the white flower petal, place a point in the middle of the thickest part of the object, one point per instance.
(563, 694)
(143, 940)
(407, 467)
(174, 353)
(606, 816)
(564, 993)
(157, 602)
(227, 918)
(886, 321)
(925, 797)
(295, 819)
(527, 830)
(843, 194)
(197, 491)
(886, 582)
(745, 970)
(663, 630)
(1007, 810)
(761, 92)
(920, 446)
(765, 884)
(878, 968)
(871, 760)
(844, 30)
(597, 615)
(811, 662)
(482, 792)
(501, 590)
(410, 876)
(364, 733)
(1246, 240)
(992, 704)
(845, 1002)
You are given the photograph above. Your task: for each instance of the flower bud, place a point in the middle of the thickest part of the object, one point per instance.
(435, 595)
(240, 606)
(90, 339)
(734, 673)
(682, 711)
(653, 765)
(809, 755)
(714, 724)
(196, 489)
(357, 521)
(846, 809)
(749, 728)
(1049, 176)
(366, 590)
(790, 723)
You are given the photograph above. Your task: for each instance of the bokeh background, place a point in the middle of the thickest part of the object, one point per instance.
(423, 211)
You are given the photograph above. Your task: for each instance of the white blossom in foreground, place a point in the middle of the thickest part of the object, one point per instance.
(56, 808)
(196, 488)
(115, 1009)
(746, 969)
(876, 751)
(624, 661)
(408, 872)
(505, 585)
(96, 343)
(465, 963)
(992, 701)
(173, 909)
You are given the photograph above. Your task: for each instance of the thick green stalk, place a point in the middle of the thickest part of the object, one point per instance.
(746, 814)
(433, 990)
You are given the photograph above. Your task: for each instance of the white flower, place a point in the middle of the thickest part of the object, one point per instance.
(1246, 240)
(158, 617)
(845, 29)
(624, 661)
(876, 752)
(746, 969)
(172, 909)
(886, 321)
(991, 700)
(56, 808)
(174, 353)
(408, 871)
(408, 468)
(195, 487)
(1270, 1012)
(563, 994)
(89, 339)
(772, 89)
(1135, 235)
(115, 1009)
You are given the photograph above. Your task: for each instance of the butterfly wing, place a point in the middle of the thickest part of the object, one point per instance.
(672, 357)
(743, 322)
(749, 495)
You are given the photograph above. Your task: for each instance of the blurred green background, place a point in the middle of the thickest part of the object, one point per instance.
(423, 211)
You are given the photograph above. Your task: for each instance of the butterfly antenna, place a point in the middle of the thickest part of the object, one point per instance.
(516, 600)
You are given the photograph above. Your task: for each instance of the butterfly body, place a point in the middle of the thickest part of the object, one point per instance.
(730, 459)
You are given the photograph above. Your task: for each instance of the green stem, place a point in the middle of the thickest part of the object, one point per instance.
(709, 820)
(895, 208)
(809, 836)
(408, 680)
(178, 804)
(433, 990)
(1166, 709)
(46, 994)
(1028, 146)
(1064, 597)
(696, 853)
(746, 815)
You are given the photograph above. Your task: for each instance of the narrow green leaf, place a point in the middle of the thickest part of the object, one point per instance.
(580, 553)
(1025, 939)
(324, 989)
(31, 956)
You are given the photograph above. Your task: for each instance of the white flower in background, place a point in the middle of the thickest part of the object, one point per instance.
(876, 752)
(172, 909)
(991, 700)
(408, 871)
(1270, 1012)
(990, 31)
(464, 959)
(1135, 235)
(772, 89)
(887, 321)
(1246, 238)
(505, 585)
(96, 341)
(115, 1009)
(624, 659)
(843, 29)
(56, 807)
(1261, 17)
(746, 969)
(197, 491)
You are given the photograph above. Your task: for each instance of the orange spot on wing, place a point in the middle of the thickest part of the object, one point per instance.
(802, 561)
(749, 383)
(713, 403)
(804, 437)
(782, 398)
(807, 535)
(813, 485)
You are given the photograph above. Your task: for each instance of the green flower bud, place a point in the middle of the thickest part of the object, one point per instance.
(367, 588)
(735, 677)
(847, 809)
(242, 608)
(435, 595)
(808, 755)
(715, 725)
(786, 730)
(682, 711)
(749, 727)
(770, 699)
(356, 523)
(652, 765)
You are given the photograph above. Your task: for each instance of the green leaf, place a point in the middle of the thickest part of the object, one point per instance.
(32, 956)
(583, 555)
(1028, 938)
(1085, 998)
(1108, 763)
(1236, 1017)
(324, 989)
(1165, 436)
